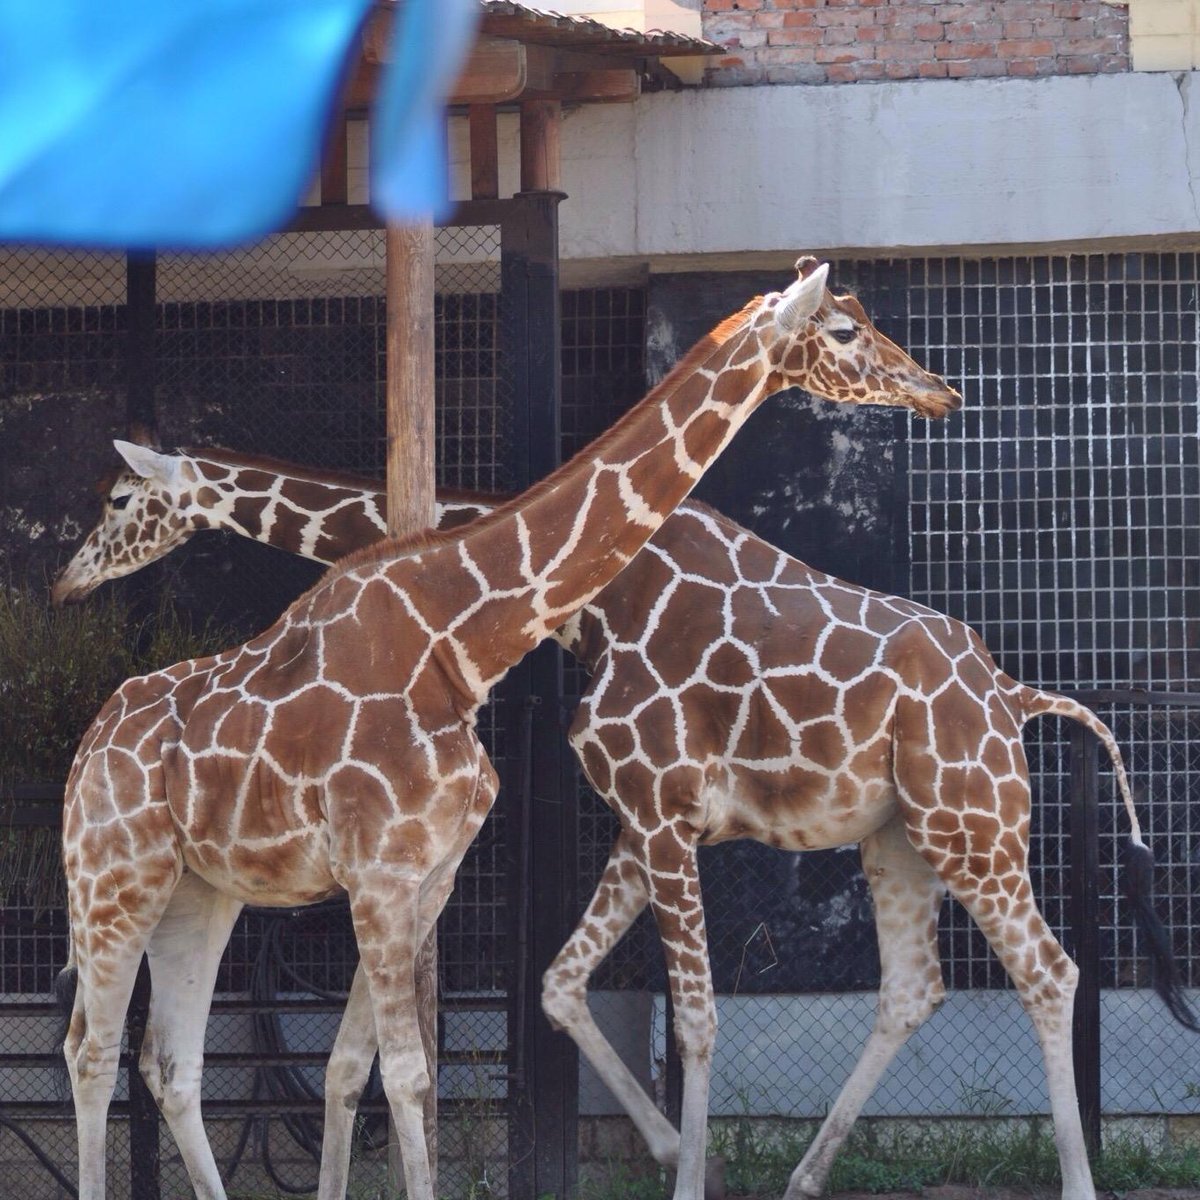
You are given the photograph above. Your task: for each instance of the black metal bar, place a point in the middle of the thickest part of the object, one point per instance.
(543, 1127)
(141, 417)
(1085, 930)
(144, 1173)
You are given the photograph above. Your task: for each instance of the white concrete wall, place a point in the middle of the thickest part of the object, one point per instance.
(882, 167)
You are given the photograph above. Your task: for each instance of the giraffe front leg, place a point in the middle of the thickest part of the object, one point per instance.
(387, 926)
(672, 878)
(907, 896)
(345, 1077)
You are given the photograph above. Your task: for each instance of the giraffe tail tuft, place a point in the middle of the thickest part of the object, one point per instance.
(1139, 891)
(66, 985)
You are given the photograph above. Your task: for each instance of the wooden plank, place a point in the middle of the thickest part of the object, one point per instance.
(541, 155)
(485, 154)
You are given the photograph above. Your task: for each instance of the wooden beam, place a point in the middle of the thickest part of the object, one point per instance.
(597, 87)
(541, 156)
(485, 154)
(494, 72)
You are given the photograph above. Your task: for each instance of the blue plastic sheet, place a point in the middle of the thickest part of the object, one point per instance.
(199, 123)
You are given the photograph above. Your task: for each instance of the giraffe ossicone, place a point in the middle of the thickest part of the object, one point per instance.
(337, 750)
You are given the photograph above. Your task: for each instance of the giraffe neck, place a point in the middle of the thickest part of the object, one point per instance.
(509, 580)
(320, 515)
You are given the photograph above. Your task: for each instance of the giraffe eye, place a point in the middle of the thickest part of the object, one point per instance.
(120, 501)
(845, 336)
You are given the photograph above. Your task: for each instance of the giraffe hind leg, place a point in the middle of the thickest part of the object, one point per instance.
(184, 952)
(619, 898)
(985, 866)
(907, 896)
(92, 1049)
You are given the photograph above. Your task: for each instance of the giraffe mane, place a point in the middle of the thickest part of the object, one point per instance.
(392, 548)
(322, 475)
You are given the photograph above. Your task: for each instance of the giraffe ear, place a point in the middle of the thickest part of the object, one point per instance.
(802, 299)
(148, 463)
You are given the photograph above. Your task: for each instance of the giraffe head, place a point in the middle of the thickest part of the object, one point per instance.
(145, 514)
(827, 345)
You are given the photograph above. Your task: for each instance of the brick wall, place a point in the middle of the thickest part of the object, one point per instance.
(845, 41)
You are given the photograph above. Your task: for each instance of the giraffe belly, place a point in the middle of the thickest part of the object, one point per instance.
(809, 815)
(280, 874)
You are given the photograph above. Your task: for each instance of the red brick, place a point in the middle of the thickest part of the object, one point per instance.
(906, 52)
(932, 31)
(840, 35)
(976, 69)
(931, 70)
(1071, 46)
(1025, 49)
(794, 37)
(953, 50)
(1049, 28)
(845, 16)
(793, 20)
(1022, 66)
(834, 54)
(871, 33)
(1018, 29)
(1070, 8)
(895, 70)
(974, 31)
(1086, 64)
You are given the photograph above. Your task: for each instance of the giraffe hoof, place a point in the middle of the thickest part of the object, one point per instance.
(714, 1178)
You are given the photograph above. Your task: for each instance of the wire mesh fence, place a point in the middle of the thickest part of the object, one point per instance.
(1058, 515)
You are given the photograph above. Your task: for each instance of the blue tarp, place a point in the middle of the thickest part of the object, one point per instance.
(193, 124)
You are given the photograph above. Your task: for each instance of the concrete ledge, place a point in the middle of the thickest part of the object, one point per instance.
(889, 166)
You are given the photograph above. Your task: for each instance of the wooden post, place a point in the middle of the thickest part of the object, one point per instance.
(485, 154)
(410, 420)
(410, 508)
(540, 146)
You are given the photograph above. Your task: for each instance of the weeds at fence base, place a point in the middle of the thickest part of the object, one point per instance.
(1012, 1154)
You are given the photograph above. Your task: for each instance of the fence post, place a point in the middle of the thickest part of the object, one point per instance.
(1085, 932)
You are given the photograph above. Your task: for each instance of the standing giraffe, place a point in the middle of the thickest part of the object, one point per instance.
(807, 664)
(337, 750)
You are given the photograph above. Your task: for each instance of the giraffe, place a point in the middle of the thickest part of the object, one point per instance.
(337, 750)
(804, 660)
(697, 559)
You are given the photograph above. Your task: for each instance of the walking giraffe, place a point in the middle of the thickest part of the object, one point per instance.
(707, 574)
(337, 750)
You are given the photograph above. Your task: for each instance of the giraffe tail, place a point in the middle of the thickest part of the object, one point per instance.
(1139, 862)
(66, 985)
